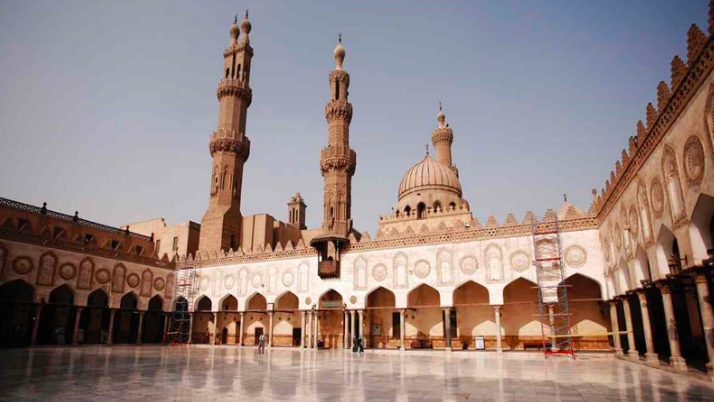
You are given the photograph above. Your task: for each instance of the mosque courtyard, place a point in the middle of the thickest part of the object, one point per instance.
(155, 373)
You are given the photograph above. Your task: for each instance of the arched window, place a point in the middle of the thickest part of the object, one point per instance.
(421, 211)
(407, 210)
(337, 89)
(437, 206)
(452, 206)
(237, 72)
(228, 72)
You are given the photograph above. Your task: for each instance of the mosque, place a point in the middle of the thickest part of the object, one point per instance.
(635, 269)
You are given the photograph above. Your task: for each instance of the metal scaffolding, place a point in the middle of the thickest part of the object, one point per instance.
(179, 332)
(553, 305)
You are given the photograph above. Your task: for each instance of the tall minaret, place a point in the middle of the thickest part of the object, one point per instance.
(442, 138)
(229, 146)
(337, 160)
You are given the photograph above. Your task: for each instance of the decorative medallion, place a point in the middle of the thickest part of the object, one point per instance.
(694, 160)
(257, 280)
(67, 271)
(353, 300)
(422, 269)
(22, 265)
(204, 283)
(288, 279)
(159, 284)
(102, 276)
(308, 301)
(634, 221)
(379, 272)
(229, 281)
(133, 280)
(520, 260)
(576, 256)
(469, 265)
(618, 237)
(657, 197)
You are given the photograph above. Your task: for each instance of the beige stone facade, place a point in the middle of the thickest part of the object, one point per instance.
(636, 265)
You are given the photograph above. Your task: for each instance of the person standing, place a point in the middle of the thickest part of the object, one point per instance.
(261, 344)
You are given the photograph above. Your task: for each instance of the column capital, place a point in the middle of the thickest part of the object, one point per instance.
(613, 302)
(700, 277)
(664, 285)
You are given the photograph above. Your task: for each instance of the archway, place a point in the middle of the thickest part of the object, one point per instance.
(287, 329)
(154, 321)
(426, 328)
(180, 321)
(126, 320)
(589, 319)
(476, 317)
(57, 318)
(16, 313)
(380, 305)
(669, 260)
(256, 319)
(229, 320)
(520, 320)
(94, 320)
(330, 321)
(701, 228)
(203, 320)
(643, 271)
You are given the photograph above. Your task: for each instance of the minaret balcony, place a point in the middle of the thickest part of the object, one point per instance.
(234, 87)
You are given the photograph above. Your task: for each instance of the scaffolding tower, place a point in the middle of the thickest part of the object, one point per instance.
(553, 305)
(179, 332)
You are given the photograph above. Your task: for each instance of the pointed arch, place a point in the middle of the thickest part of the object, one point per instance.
(471, 292)
(529, 288)
(380, 297)
(156, 303)
(287, 301)
(330, 299)
(203, 303)
(256, 302)
(669, 258)
(228, 303)
(62, 294)
(624, 281)
(180, 304)
(98, 298)
(642, 265)
(701, 228)
(423, 296)
(129, 301)
(584, 287)
(644, 210)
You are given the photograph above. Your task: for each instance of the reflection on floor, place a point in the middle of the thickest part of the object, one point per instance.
(154, 373)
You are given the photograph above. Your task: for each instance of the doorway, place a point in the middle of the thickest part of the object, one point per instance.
(258, 333)
(297, 334)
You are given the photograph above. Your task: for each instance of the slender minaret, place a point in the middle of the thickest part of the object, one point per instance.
(337, 160)
(229, 146)
(442, 138)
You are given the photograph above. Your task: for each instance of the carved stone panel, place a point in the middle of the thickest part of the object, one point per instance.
(446, 269)
(86, 272)
(102, 276)
(520, 260)
(170, 282)
(147, 279)
(243, 282)
(422, 269)
(379, 272)
(576, 256)
(229, 281)
(67, 271)
(132, 280)
(360, 274)
(46, 272)
(288, 279)
(118, 279)
(400, 271)
(694, 161)
(494, 263)
(23, 265)
(303, 278)
(159, 284)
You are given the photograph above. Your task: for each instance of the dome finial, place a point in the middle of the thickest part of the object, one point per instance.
(234, 31)
(246, 13)
(441, 117)
(426, 146)
(339, 52)
(235, 20)
(246, 27)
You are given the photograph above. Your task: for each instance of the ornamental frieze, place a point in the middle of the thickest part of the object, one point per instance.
(238, 147)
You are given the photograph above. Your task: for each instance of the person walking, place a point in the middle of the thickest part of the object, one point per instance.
(261, 344)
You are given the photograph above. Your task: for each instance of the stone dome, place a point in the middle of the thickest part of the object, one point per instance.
(429, 174)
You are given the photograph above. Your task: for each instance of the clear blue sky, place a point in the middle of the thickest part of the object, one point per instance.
(107, 106)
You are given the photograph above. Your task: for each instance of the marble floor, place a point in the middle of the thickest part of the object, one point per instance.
(155, 373)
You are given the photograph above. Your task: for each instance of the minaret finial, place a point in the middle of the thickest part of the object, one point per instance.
(426, 146)
(246, 13)
(235, 20)
(439, 105)
(339, 37)
(339, 53)
(565, 197)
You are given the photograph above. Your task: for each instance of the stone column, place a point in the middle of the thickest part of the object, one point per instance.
(632, 351)
(75, 333)
(551, 320)
(141, 324)
(270, 329)
(650, 355)
(36, 324)
(240, 334)
(705, 308)
(110, 334)
(447, 328)
(497, 314)
(361, 326)
(303, 333)
(345, 330)
(317, 329)
(676, 359)
(353, 324)
(615, 327)
(190, 327)
(402, 329)
(215, 330)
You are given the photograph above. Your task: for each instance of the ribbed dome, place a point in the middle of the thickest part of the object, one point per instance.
(429, 173)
